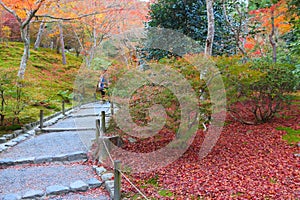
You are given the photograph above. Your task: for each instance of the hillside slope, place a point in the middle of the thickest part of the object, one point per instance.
(45, 79)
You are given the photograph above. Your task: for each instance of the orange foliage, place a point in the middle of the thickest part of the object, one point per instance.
(254, 45)
(264, 17)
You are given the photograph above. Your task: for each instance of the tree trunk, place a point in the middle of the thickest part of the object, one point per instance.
(211, 27)
(26, 39)
(2, 108)
(62, 44)
(39, 35)
(271, 37)
(57, 45)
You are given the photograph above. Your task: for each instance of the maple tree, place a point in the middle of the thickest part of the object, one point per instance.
(270, 23)
(114, 17)
(24, 12)
(27, 11)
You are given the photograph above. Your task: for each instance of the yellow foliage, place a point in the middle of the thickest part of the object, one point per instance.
(6, 31)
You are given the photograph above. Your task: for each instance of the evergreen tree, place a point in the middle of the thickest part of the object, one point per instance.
(190, 18)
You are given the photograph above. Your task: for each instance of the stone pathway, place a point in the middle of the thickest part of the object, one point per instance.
(52, 165)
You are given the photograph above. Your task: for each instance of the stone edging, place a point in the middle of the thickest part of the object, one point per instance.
(75, 156)
(107, 178)
(27, 131)
(77, 186)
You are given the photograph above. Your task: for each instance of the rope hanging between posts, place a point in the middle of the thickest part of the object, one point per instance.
(102, 129)
(126, 178)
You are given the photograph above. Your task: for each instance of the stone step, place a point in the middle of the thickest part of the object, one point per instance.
(77, 186)
(85, 115)
(76, 156)
(48, 130)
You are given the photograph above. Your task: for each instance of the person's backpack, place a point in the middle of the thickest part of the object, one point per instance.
(101, 84)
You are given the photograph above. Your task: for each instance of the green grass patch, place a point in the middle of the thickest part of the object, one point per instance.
(153, 181)
(45, 77)
(165, 193)
(292, 136)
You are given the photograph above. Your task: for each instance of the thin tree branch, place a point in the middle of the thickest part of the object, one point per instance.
(68, 19)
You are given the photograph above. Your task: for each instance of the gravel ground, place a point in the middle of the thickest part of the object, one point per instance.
(65, 123)
(87, 138)
(92, 109)
(21, 179)
(86, 122)
(49, 144)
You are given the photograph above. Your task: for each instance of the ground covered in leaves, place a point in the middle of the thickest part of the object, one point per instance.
(248, 162)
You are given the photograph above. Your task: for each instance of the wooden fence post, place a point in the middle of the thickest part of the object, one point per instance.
(103, 121)
(41, 118)
(117, 180)
(97, 129)
(63, 107)
(111, 108)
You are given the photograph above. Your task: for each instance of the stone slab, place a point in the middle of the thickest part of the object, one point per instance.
(33, 194)
(11, 197)
(57, 189)
(20, 180)
(109, 185)
(43, 159)
(79, 186)
(100, 170)
(24, 161)
(10, 144)
(3, 140)
(94, 183)
(79, 155)
(107, 176)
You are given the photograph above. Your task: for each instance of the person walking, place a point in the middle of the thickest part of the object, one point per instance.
(103, 84)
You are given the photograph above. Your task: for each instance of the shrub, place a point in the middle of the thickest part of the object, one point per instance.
(257, 90)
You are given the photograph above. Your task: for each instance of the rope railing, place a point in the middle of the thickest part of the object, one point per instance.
(116, 164)
(128, 180)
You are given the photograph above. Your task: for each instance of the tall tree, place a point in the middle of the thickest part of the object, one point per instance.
(24, 13)
(236, 16)
(190, 18)
(210, 27)
(39, 35)
(62, 43)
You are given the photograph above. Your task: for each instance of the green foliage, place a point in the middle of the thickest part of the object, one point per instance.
(189, 18)
(65, 95)
(257, 4)
(100, 63)
(292, 136)
(6, 129)
(165, 193)
(45, 77)
(153, 181)
(257, 90)
(292, 38)
(5, 82)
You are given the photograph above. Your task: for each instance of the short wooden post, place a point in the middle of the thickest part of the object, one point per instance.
(97, 129)
(117, 180)
(41, 118)
(103, 121)
(111, 108)
(63, 107)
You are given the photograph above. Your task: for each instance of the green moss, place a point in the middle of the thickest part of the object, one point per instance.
(45, 76)
(292, 136)
(165, 193)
